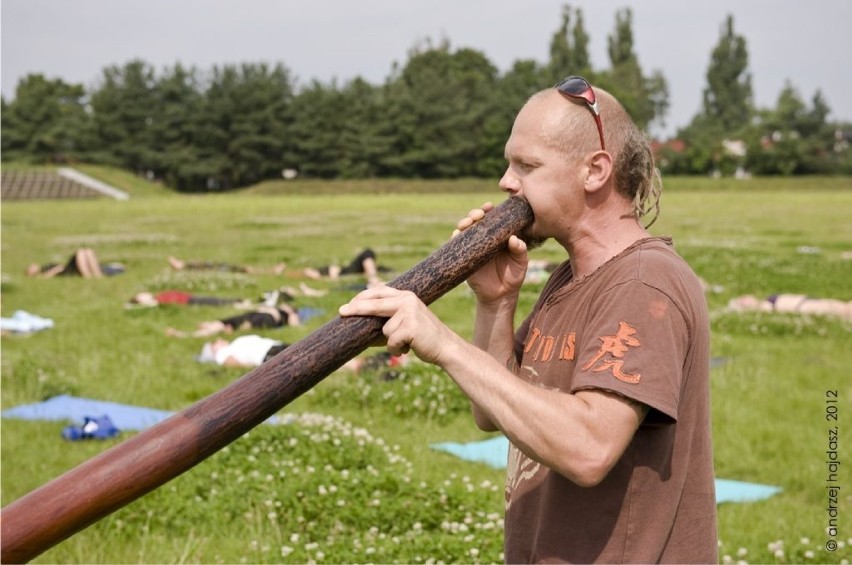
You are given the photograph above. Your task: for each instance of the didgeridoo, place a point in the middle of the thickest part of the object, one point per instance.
(39, 520)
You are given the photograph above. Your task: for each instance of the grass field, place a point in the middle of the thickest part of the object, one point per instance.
(352, 478)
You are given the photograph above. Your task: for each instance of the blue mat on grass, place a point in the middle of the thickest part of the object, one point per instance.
(65, 407)
(124, 416)
(495, 452)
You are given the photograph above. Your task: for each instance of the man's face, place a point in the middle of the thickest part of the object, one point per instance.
(540, 173)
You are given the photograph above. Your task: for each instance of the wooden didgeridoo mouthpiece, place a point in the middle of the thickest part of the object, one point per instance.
(39, 520)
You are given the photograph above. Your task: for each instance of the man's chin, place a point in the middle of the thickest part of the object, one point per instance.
(533, 241)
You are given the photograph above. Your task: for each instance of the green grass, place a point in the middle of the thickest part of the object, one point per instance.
(360, 484)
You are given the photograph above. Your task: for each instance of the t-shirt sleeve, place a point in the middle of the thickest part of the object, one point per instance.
(635, 346)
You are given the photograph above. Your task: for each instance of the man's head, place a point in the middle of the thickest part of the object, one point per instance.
(557, 134)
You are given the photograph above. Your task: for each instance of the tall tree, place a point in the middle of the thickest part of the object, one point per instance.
(174, 127)
(45, 122)
(316, 145)
(438, 105)
(569, 47)
(124, 107)
(365, 132)
(644, 98)
(242, 136)
(727, 99)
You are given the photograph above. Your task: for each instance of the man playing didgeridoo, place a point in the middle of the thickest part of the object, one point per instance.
(603, 390)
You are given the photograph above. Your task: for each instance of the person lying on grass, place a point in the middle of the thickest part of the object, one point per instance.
(181, 265)
(83, 263)
(254, 350)
(180, 297)
(364, 263)
(264, 317)
(792, 304)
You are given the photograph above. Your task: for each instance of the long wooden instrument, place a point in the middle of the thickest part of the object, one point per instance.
(92, 490)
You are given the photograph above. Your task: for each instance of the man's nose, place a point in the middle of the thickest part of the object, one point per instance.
(509, 182)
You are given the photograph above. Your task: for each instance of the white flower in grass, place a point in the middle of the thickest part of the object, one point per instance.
(294, 538)
(809, 554)
(727, 559)
(742, 552)
(473, 552)
(286, 550)
(774, 546)
(805, 540)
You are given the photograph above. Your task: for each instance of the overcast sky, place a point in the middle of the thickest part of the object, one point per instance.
(805, 41)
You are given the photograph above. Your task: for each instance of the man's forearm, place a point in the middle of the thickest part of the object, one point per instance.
(494, 329)
(493, 333)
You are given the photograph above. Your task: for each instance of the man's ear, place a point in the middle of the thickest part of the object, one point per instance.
(598, 170)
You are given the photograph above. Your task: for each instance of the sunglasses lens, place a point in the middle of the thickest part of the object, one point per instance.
(575, 86)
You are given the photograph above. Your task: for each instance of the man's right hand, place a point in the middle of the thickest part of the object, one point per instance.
(503, 276)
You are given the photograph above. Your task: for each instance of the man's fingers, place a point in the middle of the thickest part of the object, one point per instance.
(376, 301)
(517, 245)
(473, 216)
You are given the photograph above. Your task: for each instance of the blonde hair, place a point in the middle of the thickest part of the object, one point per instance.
(636, 174)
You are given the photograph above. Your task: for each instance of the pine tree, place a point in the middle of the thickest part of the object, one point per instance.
(728, 95)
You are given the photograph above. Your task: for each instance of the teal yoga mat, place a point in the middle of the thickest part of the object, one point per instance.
(495, 452)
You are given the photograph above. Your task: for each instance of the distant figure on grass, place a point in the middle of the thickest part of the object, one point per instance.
(254, 350)
(181, 265)
(243, 351)
(364, 263)
(792, 304)
(83, 263)
(264, 317)
(179, 297)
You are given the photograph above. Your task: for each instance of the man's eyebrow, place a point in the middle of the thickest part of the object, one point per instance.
(523, 158)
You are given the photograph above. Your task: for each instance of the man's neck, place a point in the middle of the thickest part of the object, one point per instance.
(592, 248)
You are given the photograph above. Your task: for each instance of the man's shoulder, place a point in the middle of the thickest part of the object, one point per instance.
(655, 262)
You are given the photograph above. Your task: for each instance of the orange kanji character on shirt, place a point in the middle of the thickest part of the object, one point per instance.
(616, 346)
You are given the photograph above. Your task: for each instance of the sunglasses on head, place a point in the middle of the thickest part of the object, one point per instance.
(579, 88)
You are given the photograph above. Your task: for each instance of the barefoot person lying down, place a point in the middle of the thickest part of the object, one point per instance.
(180, 297)
(83, 263)
(793, 304)
(262, 318)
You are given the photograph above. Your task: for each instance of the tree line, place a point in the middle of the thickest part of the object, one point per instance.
(444, 113)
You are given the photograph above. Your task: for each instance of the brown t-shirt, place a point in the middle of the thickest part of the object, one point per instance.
(637, 326)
